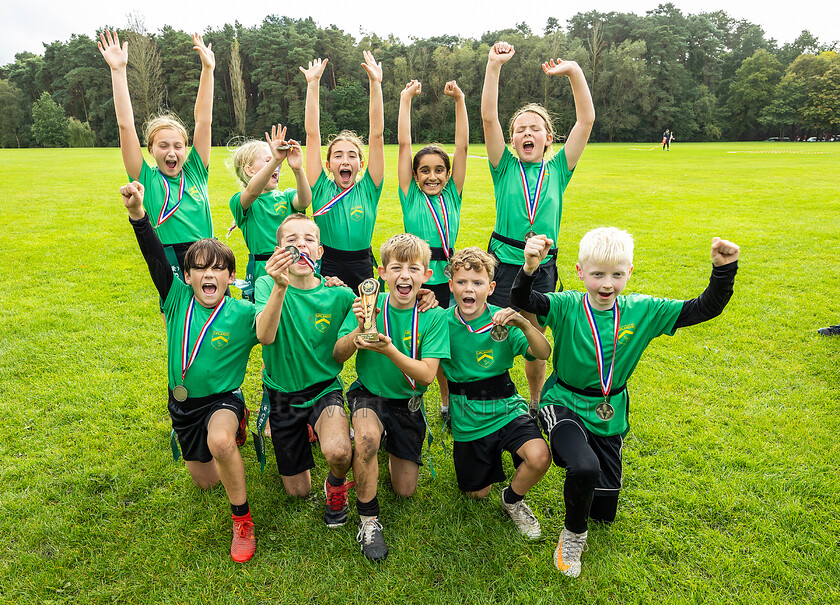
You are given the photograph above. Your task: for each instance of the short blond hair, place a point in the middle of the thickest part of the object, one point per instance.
(346, 135)
(473, 258)
(297, 216)
(243, 156)
(162, 122)
(405, 248)
(542, 112)
(606, 245)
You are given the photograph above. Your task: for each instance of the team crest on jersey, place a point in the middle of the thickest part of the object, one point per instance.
(322, 321)
(219, 340)
(357, 213)
(193, 191)
(280, 206)
(484, 358)
(625, 333)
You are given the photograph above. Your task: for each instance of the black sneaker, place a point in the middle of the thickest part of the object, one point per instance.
(829, 331)
(371, 539)
(337, 508)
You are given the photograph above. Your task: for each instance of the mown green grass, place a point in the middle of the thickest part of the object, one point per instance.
(731, 468)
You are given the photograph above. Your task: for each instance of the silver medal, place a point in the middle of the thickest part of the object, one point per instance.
(294, 252)
(414, 403)
(447, 271)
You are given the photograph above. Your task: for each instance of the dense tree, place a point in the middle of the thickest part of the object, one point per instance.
(750, 92)
(50, 126)
(14, 127)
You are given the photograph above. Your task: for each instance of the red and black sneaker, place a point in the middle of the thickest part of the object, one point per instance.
(244, 544)
(242, 433)
(338, 508)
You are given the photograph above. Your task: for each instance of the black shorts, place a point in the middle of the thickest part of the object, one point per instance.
(606, 449)
(478, 463)
(442, 293)
(545, 281)
(190, 419)
(351, 267)
(289, 434)
(405, 430)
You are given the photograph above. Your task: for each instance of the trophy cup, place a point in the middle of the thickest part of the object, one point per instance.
(369, 292)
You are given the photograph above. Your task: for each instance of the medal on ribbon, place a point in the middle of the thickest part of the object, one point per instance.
(165, 211)
(187, 358)
(603, 410)
(329, 205)
(416, 400)
(441, 222)
(482, 330)
(531, 203)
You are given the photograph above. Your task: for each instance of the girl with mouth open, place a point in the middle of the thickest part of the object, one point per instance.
(344, 209)
(528, 188)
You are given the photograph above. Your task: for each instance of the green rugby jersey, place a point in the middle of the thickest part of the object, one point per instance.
(349, 224)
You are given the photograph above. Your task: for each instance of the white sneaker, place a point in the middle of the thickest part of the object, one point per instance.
(523, 517)
(570, 546)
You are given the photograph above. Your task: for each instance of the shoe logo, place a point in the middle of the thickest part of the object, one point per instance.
(322, 321)
(484, 358)
(219, 340)
(558, 560)
(625, 333)
(357, 213)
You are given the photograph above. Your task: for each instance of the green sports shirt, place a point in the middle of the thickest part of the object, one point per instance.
(223, 356)
(376, 372)
(349, 224)
(511, 209)
(478, 357)
(302, 352)
(641, 319)
(192, 220)
(417, 219)
(260, 221)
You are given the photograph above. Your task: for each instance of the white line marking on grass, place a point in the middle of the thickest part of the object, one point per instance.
(796, 152)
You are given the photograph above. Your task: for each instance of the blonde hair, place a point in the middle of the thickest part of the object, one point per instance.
(405, 248)
(606, 245)
(541, 112)
(244, 156)
(297, 216)
(162, 122)
(346, 135)
(473, 258)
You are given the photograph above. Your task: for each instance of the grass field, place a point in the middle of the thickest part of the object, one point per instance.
(731, 488)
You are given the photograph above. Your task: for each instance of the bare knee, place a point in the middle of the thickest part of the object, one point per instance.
(482, 493)
(404, 490)
(367, 444)
(221, 445)
(299, 486)
(338, 455)
(204, 482)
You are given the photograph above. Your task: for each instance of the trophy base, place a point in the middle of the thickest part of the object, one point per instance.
(369, 337)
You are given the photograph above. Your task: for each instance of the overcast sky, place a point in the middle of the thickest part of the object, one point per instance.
(26, 24)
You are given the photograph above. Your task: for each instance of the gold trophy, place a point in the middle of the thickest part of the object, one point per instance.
(369, 293)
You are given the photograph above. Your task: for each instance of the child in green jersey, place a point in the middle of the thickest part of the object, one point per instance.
(301, 378)
(430, 199)
(176, 188)
(393, 373)
(529, 189)
(599, 337)
(209, 341)
(488, 415)
(261, 207)
(344, 209)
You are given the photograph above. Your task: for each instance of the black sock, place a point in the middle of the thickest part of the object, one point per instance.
(368, 509)
(335, 481)
(240, 510)
(510, 496)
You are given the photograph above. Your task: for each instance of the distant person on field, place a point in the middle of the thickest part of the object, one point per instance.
(667, 137)
(527, 187)
(599, 337)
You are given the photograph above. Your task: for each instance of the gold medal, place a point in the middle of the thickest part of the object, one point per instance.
(499, 333)
(530, 234)
(180, 393)
(293, 250)
(604, 410)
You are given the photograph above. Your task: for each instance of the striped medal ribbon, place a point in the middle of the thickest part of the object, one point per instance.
(328, 206)
(442, 226)
(483, 329)
(187, 357)
(415, 328)
(165, 211)
(532, 203)
(603, 410)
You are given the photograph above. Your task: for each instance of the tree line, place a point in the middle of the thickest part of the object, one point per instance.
(705, 76)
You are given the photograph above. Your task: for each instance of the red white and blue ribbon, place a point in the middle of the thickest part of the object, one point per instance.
(165, 211)
(415, 329)
(188, 358)
(481, 330)
(307, 259)
(441, 222)
(328, 206)
(532, 203)
(605, 376)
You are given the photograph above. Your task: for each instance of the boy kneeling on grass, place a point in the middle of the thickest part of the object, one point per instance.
(208, 346)
(599, 337)
(488, 415)
(393, 373)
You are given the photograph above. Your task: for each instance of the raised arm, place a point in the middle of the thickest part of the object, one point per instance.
(258, 181)
(376, 113)
(404, 172)
(714, 298)
(303, 197)
(522, 293)
(147, 239)
(494, 137)
(462, 135)
(312, 118)
(117, 59)
(269, 318)
(584, 109)
(203, 113)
